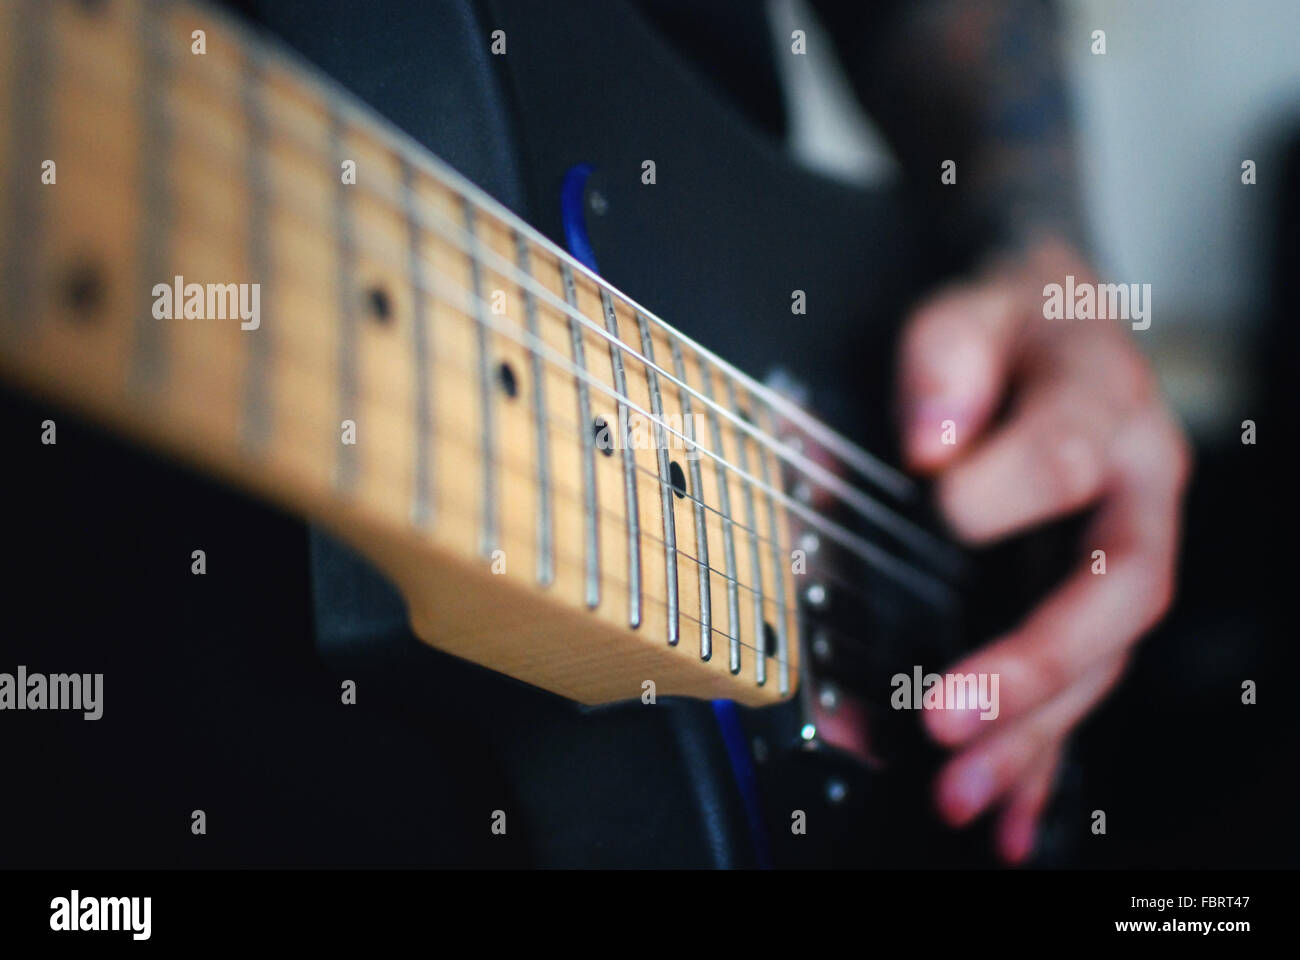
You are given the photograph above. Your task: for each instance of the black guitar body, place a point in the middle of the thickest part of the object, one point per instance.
(226, 686)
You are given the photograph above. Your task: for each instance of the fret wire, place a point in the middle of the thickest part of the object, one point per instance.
(800, 617)
(489, 535)
(555, 421)
(728, 536)
(149, 356)
(582, 379)
(866, 506)
(747, 491)
(450, 369)
(936, 591)
(736, 524)
(828, 575)
(701, 563)
(455, 295)
(629, 470)
(461, 296)
(30, 85)
(256, 424)
(345, 464)
(519, 469)
(852, 455)
(896, 524)
(674, 342)
(665, 495)
(311, 79)
(701, 529)
(545, 521)
(421, 349)
(898, 569)
(778, 558)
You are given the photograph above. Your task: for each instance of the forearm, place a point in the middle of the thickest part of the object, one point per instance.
(980, 83)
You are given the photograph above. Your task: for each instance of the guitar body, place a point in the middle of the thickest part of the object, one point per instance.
(233, 678)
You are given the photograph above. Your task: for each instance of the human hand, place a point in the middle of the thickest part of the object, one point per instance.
(1085, 427)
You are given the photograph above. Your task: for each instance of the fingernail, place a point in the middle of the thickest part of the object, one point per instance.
(1018, 841)
(967, 790)
(934, 425)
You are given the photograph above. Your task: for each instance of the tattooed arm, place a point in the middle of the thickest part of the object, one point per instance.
(977, 82)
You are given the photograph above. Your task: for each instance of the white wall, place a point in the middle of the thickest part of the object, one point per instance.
(1186, 91)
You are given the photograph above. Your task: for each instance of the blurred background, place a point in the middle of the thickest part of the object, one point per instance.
(1186, 91)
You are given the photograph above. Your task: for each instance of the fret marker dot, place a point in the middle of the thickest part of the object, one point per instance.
(604, 436)
(769, 640)
(84, 290)
(378, 304)
(509, 383)
(678, 479)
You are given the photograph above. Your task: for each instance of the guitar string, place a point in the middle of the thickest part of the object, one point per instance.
(447, 429)
(449, 370)
(862, 503)
(867, 551)
(906, 574)
(523, 471)
(829, 574)
(334, 96)
(894, 523)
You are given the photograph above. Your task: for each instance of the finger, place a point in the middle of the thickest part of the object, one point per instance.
(1000, 761)
(954, 357)
(1094, 614)
(1017, 829)
(1050, 459)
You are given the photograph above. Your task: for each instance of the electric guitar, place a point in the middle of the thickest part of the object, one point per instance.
(218, 253)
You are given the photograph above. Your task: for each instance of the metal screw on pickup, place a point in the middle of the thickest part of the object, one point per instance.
(828, 697)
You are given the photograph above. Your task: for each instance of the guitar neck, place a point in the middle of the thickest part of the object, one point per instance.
(219, 254)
